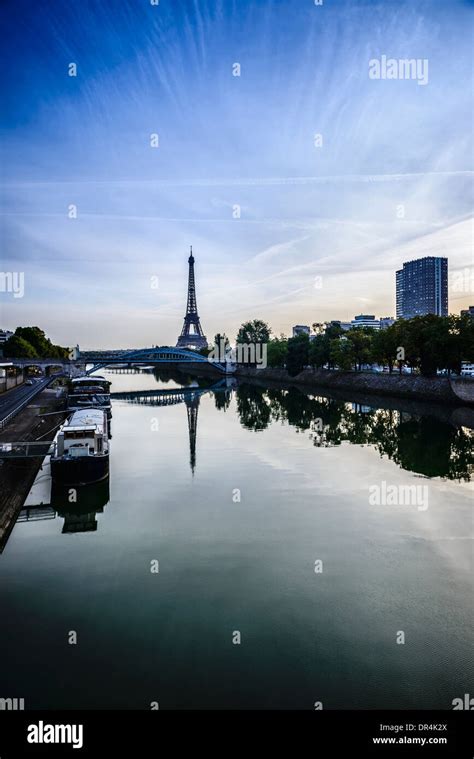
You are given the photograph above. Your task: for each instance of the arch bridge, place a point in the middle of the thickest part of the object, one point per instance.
(147, 357)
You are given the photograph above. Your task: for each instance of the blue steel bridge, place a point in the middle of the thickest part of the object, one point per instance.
(146, 357)
(17, 399)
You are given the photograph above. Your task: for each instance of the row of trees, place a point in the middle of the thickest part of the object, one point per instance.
(31, 342)
(425, 344)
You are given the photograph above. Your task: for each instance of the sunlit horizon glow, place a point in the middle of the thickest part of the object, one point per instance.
(321, 231)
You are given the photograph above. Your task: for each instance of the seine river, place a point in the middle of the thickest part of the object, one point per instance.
(254, 548)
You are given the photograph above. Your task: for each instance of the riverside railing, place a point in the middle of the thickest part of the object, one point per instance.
(26, 449)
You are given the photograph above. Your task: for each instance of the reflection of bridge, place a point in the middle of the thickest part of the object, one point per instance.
(164, 397)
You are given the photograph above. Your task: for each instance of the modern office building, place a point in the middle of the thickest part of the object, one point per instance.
(365, 320)
(343, 325)
(386, 321)
(301, 329)
(468, 312)
(422, 287)
(4, 335)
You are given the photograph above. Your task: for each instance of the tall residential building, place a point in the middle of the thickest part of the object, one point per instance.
(422, 287)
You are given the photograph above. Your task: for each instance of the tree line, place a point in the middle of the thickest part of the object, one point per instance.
(425, 344)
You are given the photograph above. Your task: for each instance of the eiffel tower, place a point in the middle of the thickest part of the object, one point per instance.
(191, 335)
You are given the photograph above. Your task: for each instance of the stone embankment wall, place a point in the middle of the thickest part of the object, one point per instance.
(457, 391)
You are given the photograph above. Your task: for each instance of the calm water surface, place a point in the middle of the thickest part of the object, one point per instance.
(237, 494)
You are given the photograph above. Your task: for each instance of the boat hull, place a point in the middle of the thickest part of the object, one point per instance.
(79, 471)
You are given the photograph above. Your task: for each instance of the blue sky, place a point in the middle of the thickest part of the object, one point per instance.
(321, 229)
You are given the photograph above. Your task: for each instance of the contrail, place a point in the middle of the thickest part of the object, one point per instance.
(248, 181)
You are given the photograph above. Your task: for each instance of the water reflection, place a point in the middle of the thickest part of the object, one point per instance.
(419, 443)
(192, 408)
(422, 444)
(425, 444)
(79, 506)
(189, 393)
(328, 636)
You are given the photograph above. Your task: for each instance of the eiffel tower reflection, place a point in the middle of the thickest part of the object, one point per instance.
(190, 396)
(192, 408)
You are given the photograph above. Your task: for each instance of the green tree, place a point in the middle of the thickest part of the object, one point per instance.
(221, 339)
(333, 330)
(465, 326)
(400, 339)
(341, 355)
(459, 344)
(319, 354)
(277, 349)
(254, 331)
(384, 346)
(37, 338)
(252, 335)
(43, 347)
(297, 357)
(360, 341)
(18, 347)
(426, 339)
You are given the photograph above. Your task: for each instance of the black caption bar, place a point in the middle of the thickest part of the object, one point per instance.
(362, 733)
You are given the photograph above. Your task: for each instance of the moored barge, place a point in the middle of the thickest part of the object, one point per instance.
(81, 453)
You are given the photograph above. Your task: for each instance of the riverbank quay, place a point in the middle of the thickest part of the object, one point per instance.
(456, 416)
(37, 421)
(456, 392)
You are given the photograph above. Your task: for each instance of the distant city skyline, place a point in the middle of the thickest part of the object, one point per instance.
(302, 183)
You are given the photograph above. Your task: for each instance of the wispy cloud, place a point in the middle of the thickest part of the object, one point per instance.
(392, 179)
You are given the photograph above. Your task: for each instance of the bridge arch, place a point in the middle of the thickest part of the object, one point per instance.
(155, 356)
